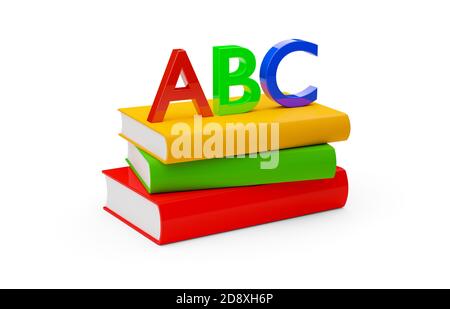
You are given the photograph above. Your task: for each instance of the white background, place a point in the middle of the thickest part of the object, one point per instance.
(66, 66)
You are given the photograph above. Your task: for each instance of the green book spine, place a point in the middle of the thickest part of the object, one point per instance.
(294, 164)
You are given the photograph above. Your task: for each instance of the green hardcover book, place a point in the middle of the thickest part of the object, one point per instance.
(292, 164)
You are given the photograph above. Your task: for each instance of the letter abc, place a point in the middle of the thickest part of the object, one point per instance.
(179, 64)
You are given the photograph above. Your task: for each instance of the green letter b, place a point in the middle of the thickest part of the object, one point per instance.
(223, 79)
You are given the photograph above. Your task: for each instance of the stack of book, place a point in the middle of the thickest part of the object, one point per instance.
(190, 176)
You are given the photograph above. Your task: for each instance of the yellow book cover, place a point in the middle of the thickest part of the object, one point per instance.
(184, 136)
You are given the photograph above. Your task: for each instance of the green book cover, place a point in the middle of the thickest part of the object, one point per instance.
(292, 164)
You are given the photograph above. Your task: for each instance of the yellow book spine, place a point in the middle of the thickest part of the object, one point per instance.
(268, 127)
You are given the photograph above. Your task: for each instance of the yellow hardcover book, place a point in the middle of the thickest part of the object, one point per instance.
(184, 136)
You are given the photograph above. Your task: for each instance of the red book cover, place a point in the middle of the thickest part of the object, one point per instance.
(176, 216)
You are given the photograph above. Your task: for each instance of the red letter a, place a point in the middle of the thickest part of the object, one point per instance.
(178, 64)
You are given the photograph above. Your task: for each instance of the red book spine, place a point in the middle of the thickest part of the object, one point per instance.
(186, 215)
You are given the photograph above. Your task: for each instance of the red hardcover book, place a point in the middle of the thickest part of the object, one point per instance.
(175, 216)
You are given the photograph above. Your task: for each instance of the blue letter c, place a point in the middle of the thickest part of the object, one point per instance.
(268, 73)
